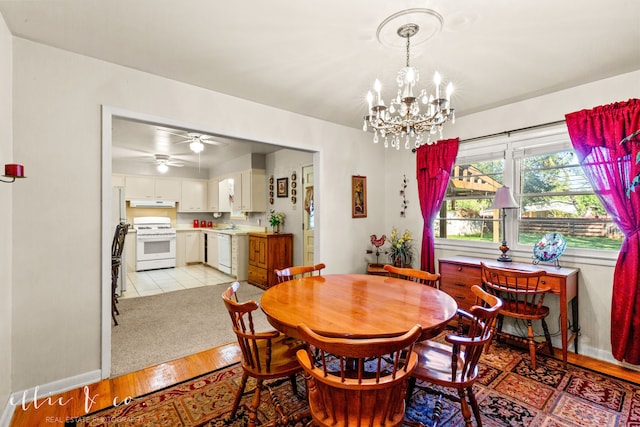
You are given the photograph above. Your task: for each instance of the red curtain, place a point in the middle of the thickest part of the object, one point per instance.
(608, 147)
(434, 165)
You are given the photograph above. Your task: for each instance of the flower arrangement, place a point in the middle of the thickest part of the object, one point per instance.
(400, 251)
(276, 218)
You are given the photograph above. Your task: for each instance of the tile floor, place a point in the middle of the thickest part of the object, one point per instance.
(153, 282)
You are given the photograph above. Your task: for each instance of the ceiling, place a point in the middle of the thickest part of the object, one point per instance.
(320, 59)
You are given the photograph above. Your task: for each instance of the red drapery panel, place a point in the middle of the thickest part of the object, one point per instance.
(434, 166)
(608, 156)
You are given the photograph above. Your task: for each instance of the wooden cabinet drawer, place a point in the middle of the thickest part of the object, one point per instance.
(464, 271)
(555, 283)
(257, 276)
(460, 291)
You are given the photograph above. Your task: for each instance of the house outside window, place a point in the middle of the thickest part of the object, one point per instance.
(546, 179)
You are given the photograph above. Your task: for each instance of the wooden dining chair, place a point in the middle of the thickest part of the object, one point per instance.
(296, 272)
(522, 293)
(419, 276)
(117, 246)
(357, 382)
(455, 364)
(265, 355)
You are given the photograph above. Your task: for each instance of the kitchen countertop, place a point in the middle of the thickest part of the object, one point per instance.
(241, 230)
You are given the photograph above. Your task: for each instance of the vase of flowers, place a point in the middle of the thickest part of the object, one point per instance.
(400, 251)
(275, 219)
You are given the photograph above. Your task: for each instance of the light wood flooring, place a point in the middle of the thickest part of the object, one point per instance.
(59, 408)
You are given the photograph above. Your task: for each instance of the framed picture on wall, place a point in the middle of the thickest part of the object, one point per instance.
(283, 187)
(358, 196)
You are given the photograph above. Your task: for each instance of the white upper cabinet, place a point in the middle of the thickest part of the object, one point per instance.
(214, 198)
(225, 193)
(194, 196)
(253, 193)
(152, 188)
(168, 189)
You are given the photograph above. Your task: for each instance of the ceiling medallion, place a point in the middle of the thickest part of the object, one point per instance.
(404, 119)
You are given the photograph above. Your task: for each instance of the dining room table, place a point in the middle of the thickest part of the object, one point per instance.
(357, 306)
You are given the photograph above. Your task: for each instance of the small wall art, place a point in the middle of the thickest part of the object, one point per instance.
(283, 187)
(358, 196)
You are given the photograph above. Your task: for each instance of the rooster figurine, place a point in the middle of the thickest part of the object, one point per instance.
(378, 243)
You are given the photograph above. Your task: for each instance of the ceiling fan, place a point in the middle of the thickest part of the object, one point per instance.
(196, 140)
(163, 161)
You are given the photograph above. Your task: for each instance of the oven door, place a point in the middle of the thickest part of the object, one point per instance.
(152, 247)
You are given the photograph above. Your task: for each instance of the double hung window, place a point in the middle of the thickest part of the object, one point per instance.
(546, 180)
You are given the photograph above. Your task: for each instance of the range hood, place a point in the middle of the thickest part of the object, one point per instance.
(152, 203)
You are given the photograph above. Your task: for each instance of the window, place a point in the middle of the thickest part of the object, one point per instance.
(554, 195)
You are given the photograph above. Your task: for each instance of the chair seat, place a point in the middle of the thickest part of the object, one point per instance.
(523, 311)
(434, 364)
(283, 358)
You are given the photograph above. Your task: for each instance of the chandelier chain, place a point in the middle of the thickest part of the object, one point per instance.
(408, 41)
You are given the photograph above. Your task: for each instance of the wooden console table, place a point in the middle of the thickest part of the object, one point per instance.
(459, 273)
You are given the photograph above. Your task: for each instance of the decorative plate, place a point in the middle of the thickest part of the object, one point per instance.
(550, 247)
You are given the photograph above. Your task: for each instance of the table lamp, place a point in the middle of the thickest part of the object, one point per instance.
(504, 200)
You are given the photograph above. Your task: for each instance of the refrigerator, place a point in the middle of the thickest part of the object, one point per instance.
(119, 214)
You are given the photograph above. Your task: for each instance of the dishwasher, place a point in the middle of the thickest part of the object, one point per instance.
(224, 252)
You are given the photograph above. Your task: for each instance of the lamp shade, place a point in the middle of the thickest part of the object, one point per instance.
(504, 199)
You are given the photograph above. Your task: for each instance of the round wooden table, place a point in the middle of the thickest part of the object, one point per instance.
(357, 305)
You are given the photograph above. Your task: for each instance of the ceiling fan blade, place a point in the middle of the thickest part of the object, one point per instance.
(174, 164)
(212, 141)
(173, 133)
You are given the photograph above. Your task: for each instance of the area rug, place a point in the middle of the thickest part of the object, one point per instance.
(509, 393)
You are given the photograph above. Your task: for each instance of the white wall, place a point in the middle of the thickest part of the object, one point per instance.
(57, 252)
(6, 194)
(282, 164)
(596, 276)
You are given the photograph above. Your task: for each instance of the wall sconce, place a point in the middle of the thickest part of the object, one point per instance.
(504, 200)
(13, 171)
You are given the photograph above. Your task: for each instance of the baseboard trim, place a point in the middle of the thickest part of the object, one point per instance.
(42, 392)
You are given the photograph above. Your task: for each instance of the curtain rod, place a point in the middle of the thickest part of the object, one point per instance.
(508, 132)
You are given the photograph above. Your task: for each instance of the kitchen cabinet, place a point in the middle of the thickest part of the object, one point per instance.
(268, 252)
(212, 249)
(253, 191)
(225, 192)
(194, 246)
(213, 198)
(239, 256)
(194, 196)
(244, 191)
(152, 188)
(130, 251)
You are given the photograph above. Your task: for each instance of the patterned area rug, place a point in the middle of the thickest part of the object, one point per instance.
(509, 393)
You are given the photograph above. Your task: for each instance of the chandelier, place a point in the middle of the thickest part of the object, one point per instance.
(405, 120)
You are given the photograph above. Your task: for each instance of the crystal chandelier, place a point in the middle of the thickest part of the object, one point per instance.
(405, 120)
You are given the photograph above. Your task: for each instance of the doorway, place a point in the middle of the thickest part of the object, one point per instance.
(308, 216)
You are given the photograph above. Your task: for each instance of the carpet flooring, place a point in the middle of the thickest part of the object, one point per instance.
(509, 393)
(159, 328)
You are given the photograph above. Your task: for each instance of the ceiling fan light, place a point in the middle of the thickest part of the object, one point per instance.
(163, 168)
(196, 146)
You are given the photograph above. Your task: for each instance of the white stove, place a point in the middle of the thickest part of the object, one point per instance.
(155, 243)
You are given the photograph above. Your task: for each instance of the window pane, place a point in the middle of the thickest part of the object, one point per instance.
(465, 214)
(555, 196)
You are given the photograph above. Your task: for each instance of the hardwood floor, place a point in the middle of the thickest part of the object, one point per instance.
(54, 410)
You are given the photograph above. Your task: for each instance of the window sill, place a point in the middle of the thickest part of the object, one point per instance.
(523, 253)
